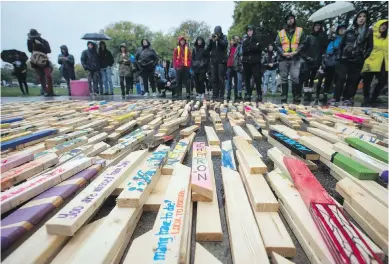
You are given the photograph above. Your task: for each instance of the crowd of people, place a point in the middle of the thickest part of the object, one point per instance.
(301, 58)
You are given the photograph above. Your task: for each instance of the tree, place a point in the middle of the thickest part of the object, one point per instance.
(164, 45)
(57, 78)
(80, 72)
(126, 32)
(192, 29)
(6, 73)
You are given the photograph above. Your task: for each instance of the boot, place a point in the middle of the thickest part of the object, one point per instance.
(259, 98)
(239, 96)
(236, 97)
(284, 92)
(325, 98)
(296, 88)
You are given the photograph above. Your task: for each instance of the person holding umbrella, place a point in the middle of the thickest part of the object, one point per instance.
(20, 72)
(66, 61)
(39, 60)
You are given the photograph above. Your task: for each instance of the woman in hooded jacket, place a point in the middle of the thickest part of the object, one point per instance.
(377, 63)
(200, 61)
(146, 58)
(125, 70)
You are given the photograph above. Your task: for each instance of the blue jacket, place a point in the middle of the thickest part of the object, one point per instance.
(161, 72)
(333, 45)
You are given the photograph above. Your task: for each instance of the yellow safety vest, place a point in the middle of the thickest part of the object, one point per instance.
(185, 54)
(288, 45)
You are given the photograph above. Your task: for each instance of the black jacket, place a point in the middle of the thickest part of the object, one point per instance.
(67, 65)
(252, 50)
(314, 47)
(106, 58)
(146, 58)
(38, 44)
(270, 57)
(353, 49)
(218, 48)
(90, 58)
(200, 57)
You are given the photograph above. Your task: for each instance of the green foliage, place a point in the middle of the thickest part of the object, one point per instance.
(6, 73)
(80, 72)
(192, 29)
(164, 45)
(57, 78)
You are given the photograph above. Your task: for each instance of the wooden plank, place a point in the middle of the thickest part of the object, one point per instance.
(25, 191)
(208, 223)
(278, 259)
(126, 127)
(369, 208)
(241, 133)
(215, 150)
(380, 239)
(38, 135)
(353, 167)
(66, 137)
(13, 161)
(189, 130)
(369, 149)
(168, 228)
(242, 228)
(251, 157)
(320, 146)
(70, 218)
(324, 127)
(291, 199)
(137, 252)
(178, 154)
(201, 182)
(253, 131)
(203, 256)
(291, 133)
(97, 149)
(261, 197)
(212, 138)
(98, 138)
(330, 137)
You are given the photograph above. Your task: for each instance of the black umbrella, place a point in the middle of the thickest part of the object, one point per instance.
(95, 36)
(10, 55)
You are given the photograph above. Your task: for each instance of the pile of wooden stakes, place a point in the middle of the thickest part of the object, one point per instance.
(62, 160)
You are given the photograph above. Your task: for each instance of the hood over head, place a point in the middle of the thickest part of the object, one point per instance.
(65, 48)
(250, 27)
(290, 15)
(203, 42)
(93, 43)
(356, 17)
(122, 45)
(180, 38)
(320, 23)
(148, 43)
(340, 26)
(376, 28)
(218, 30)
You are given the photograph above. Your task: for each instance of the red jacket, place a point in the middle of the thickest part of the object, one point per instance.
(182, 55)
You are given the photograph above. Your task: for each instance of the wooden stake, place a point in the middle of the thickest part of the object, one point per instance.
(211, 136)
(201, 179)
(251, 157)
(203, 256)
(178, 154)
(241, 133)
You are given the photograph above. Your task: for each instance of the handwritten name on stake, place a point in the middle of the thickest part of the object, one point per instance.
(201, 180)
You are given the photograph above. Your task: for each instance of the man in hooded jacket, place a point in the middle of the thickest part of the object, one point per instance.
(289, 43)
(354, 48)
(91, 63)
(181, 63)
(66, 61)
(106, 61)
(146, 59)
(251, 59)
(217, 48)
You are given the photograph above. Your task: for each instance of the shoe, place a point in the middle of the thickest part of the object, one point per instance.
(162, 95)
(154, 94)
(123, 97)
(333, 103)
(111, 93)
(187, 96)
(146, 94)
(142, 92)
(198, 96)
(325, 98)
(228, 98)
(247, 97)
(347, 103)
(259, 98)
(106, 93)
(202, 96)
(284, 87)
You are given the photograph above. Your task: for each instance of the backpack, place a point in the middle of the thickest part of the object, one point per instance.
(39, 58)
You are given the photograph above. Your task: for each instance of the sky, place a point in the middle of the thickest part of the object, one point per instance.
(66, 22)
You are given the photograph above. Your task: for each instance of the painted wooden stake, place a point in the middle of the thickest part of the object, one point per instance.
(178, 153)
(201, 179)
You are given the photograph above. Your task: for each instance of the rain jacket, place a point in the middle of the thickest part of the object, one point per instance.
(181, 55)
(200, 57)
(90, 58)
(218, 49)
(125, 64)
(314, 47)
(146, 57)
(106, 58)
(67, 65)
(379, 53)
(252, 49)
(41, 45)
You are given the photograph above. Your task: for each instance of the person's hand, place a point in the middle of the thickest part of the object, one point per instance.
(270, 64)
(168, 84)
(286, 54)
(292, 54)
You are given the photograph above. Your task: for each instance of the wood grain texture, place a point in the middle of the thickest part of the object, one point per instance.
(251, 156)
(203, 256)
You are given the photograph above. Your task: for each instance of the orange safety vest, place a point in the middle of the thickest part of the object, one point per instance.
(288, 45)
(185, 54)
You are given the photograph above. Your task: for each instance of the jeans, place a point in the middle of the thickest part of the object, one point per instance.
(267, 75)
(148, 76)
(291, 67)
(255, 71)
(347, 78)
(106, 74)
(240, 79)
(232, 75)
(129, 85)
(93, 81)
(45, 78)
(218, 73)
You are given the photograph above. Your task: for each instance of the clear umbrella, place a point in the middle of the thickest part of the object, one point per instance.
(331, 10)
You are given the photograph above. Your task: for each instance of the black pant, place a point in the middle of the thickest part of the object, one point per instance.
(181, 77)
(129, 84)
(232, 75)
(199, 78)
(218, 73)
(148, 76)
(310, 77)
(252, 70)
(382, 77)
(347, 78)
(329, 74)
(22, 79)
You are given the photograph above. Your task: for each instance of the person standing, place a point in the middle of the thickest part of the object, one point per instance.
(181, 63)
(234, 66)
(270, 62)
(125, 71)
(314, 48)
(377, 63)
(200, 61)
(66, 61)
(20, 72)
(39, 60)
(91, 62)
(355, 47)
(146, 59)
(289, 43)
(238, 66)
(329, 61)
(252, 56)
(217, 48)
(106, 62)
